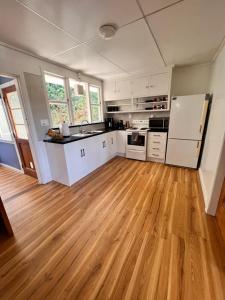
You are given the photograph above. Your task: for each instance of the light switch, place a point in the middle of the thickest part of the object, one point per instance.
(44, 122)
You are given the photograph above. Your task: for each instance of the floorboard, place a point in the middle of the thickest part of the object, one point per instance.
(130, 230)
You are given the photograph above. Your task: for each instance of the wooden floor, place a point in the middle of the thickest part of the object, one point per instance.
(131, 230)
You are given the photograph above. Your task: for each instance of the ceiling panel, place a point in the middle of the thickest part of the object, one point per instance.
(150, 6)
(83, 18)
(85, 59)
(132, 48)
(27, 31)
(189, 32)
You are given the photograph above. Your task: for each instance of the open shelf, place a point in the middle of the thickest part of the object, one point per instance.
(135, 105)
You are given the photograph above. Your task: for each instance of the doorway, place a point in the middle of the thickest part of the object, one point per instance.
(13, 107)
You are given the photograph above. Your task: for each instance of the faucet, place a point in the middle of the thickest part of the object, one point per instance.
(82, 124)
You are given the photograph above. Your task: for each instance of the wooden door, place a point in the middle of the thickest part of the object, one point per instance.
(4, 221)
(220, 214)
(13, 105)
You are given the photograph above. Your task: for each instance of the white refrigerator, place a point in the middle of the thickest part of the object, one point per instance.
(187, 121)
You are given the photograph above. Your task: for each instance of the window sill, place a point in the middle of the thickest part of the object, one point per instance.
(74, 126)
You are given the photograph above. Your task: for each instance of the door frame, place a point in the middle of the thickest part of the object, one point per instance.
(15, 82)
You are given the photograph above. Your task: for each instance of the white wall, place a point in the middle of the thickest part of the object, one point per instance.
(212, 169)
(15, 63)
(191, 80)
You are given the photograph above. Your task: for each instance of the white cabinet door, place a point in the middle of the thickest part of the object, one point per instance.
(183, 153)
(103, 148)
(112, 144)
(109, 90)
(152, 85)
(91, 153)
(123, 89)
(159, 84)
(121, 142)
(140, 87)
(77, 160)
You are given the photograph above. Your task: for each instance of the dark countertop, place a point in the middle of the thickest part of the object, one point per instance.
(71, 138)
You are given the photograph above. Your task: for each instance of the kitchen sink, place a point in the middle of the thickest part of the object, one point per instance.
(95, 131)
(87, 133)
(82, 134)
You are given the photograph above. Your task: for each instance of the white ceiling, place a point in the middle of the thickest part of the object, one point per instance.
(152, 33)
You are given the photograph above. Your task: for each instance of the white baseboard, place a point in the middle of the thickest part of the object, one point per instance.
(205, 196)
(10, 167)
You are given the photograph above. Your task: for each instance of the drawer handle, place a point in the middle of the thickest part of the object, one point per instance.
(156, 142)
(155, 154)
(156, 135)
(155, 148)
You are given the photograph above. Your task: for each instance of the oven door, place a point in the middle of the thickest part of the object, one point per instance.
(140, 142)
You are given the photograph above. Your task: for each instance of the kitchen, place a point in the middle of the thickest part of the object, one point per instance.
(112, 151)
(171, 139)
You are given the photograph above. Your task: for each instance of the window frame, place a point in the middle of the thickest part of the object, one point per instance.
(100, 102)
(11, 141)
(69, 100)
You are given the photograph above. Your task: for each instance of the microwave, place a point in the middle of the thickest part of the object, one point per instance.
(159, 123)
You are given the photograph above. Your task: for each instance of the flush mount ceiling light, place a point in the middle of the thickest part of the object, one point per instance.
(107, 31)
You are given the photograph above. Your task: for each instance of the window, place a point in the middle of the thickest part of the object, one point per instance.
(95, 104)
(79, 101)
(57, 99)
(83, 101)
(5, 133)
(17, 115)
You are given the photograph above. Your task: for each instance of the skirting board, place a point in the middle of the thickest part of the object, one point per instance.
(10, 167)
(204, 192)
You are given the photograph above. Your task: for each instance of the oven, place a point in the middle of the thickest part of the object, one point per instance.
(136, 148)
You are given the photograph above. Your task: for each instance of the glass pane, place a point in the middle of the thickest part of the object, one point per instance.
(79, 101)
(21, 132)
(59, 113)
(94, 95)
(13, 99)
(5, 133)
(17, 116)
(95, 113)
(55, 88)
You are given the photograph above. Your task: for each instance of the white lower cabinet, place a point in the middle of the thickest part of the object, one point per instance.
(73, 161)
(121, 142)
(156, 149)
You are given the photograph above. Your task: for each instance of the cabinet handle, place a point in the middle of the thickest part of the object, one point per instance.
(112, 140)
(203, 116)
(81, 152)
(103, 144)
(198, 148)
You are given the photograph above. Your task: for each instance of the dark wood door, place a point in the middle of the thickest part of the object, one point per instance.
(220, 214)
(4, 221)
(13, 105)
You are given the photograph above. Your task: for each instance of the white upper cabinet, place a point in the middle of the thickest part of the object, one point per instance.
(109, 90)
(123, 89)
(140, 87)
(152, 85)
(159, 84)
(117, 90)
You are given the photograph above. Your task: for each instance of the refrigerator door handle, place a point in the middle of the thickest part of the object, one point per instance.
(203, 116)
(198, 148)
